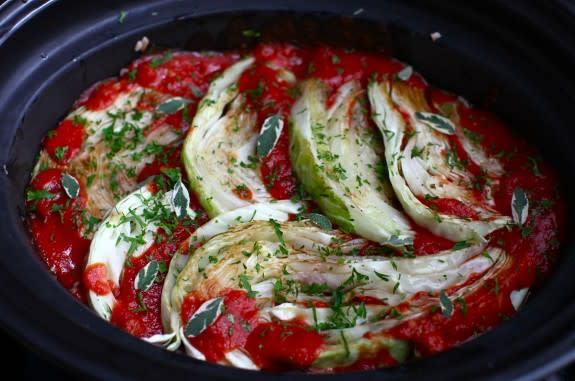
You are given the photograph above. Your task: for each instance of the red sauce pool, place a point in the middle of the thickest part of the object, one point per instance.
(281, 346)
(55, 225)
(139, 313)
(96, 279)
(65, 141)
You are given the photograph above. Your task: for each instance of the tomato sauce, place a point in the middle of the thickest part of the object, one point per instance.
(58, 224)
(55, 227)
(65, 142)
(533, 248)
(281, 346)
(170, 158)
(138, 312)
(271, 91)
(230, 330)
(96, 279)
(271, 86)
(450, 207)
(335, 66)
(427, 243)
(181, 74)
(103, 94)
(382, 358)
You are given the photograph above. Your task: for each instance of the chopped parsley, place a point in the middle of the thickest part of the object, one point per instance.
(60, 152)
(246, 285)
(41, 194)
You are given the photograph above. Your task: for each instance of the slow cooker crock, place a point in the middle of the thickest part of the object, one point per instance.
(515, 59)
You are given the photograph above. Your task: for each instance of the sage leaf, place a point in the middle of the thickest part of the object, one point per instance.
(519, 206)
(405, 73)
(181, 201)
(196, 91)
(205, 315)
(172, 105)
(146, 276)
(71, 185)
(269, 135)
(437, 122)
(396, 241)
(319, 220)
(446, 304)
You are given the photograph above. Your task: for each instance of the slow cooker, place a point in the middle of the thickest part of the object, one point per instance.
(515, 58)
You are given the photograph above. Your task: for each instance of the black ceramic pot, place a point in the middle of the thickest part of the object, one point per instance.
(518, 56)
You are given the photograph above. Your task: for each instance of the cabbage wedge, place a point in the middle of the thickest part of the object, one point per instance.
(423, 163)
(119, 144)
(220, 150)
(277, 210)
(470, 144)
(336, 158)
(286, 266)
(127, 232)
